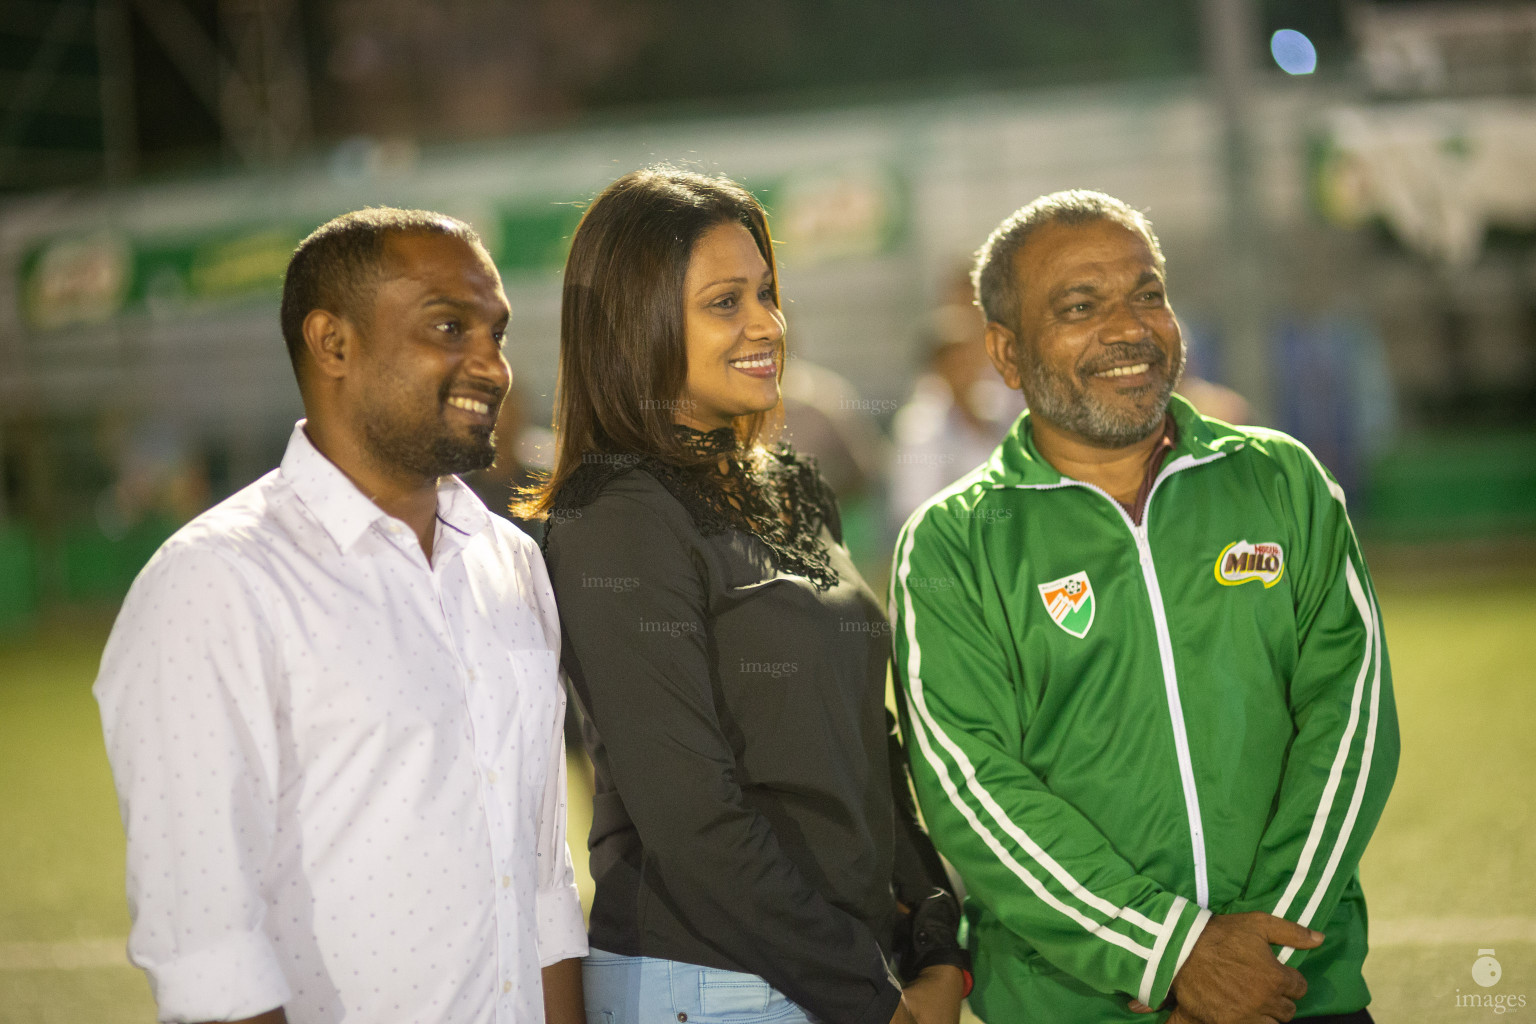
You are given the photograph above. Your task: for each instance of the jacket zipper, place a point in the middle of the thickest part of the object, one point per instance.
(1165, 655)
(1175, 705)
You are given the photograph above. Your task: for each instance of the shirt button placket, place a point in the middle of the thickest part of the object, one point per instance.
(482, 744)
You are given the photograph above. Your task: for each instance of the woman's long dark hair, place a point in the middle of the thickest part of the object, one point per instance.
(623, 355)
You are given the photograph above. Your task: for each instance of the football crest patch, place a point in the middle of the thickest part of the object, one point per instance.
(1069, 601)
(1241, 561)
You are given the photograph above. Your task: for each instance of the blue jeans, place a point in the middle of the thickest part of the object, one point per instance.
(644, 990)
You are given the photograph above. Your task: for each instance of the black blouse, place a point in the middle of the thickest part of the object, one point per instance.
(730, 663)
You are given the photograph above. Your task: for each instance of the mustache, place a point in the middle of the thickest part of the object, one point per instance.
(1123, 352)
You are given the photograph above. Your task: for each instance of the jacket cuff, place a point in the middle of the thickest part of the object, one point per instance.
(928, 936)
(236, 977)
(1181, 928)
(562, 932)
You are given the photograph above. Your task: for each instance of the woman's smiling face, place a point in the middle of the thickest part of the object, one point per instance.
(733, 330)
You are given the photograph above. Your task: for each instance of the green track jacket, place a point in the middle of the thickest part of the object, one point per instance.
(1114, 727)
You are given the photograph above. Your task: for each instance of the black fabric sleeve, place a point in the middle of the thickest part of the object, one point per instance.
(640, 638)
(927, 932)
(918, 869)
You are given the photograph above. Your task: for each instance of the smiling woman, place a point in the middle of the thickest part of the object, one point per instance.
(660, 264)
(734, 330)
(752, 831)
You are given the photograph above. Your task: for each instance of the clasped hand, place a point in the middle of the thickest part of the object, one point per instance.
(1233, 977)
(934, 997)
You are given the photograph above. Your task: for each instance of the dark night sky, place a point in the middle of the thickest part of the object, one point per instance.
(464, 69)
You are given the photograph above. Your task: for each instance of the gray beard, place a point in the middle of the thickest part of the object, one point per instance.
(1061, 400)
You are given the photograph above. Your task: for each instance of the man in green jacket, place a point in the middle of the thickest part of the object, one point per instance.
(1141, 668)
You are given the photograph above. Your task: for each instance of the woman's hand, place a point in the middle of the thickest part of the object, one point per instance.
(934, 998)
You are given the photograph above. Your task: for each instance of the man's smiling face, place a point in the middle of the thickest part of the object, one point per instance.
(433, 375)
(1096, 349)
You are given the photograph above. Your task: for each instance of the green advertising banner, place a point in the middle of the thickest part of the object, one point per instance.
(79, 280)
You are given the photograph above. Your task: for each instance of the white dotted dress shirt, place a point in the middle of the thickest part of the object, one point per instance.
(341, 769)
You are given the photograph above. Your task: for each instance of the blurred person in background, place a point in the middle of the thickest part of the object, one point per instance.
(827, 419)
(1142, 668)
(1214, 401)
(958, 411)
(160, 474)
(332, 703)
(753, 846)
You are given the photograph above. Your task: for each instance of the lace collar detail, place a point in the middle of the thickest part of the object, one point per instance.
(773, 494)
(721, 441)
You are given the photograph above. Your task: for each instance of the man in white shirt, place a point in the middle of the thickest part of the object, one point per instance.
(331, 702)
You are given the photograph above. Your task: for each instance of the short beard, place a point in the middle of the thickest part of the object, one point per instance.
(419, 454)
(1062, 400)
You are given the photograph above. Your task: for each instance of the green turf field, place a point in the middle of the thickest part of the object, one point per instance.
(1452, 869)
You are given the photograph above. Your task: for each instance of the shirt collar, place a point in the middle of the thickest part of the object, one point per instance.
(347, 513)
(460, 509)
(333, 499)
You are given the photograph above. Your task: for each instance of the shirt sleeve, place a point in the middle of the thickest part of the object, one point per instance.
(639, 644)
(562, 932)
(1037, 864)
(186, 706)
(1344, 756)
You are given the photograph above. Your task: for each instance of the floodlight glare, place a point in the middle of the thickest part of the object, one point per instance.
(1293, 51)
